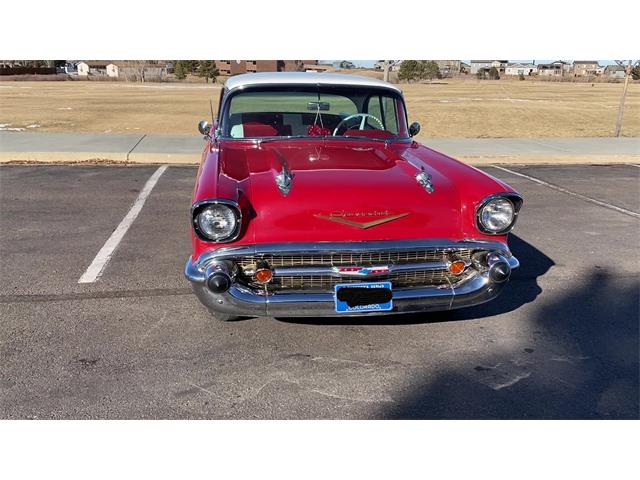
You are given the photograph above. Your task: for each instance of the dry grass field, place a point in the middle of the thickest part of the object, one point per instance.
(450, 108)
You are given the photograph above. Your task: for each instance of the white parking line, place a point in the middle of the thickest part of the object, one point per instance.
(569, 192)
(105, 253)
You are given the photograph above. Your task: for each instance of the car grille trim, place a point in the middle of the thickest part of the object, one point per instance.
(334, 259)
(320, 271)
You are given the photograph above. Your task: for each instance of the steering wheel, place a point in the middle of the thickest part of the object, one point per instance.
(362, 123)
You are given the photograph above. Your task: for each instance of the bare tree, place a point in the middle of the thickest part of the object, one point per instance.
(386, 67)
(630, 64)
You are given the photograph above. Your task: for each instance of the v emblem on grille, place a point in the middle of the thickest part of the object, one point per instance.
(363, 225)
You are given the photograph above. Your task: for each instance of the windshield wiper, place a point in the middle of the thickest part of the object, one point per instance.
(275, 139)
(318, 137)
(358, 137)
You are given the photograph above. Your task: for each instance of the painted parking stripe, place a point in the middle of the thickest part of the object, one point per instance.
(569, 192)
(633, 165)
(105, 253)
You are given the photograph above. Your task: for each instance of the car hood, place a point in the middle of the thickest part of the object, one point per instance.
(345, 192)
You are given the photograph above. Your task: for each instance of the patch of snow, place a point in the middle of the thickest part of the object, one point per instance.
(4, 125)
(64, 108)
(33, 125)
(11, 129)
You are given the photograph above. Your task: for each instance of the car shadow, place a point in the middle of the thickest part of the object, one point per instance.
(580, 361)
(522, 288)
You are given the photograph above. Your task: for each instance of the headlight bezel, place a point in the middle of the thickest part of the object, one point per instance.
(202, 205)
(516, 201)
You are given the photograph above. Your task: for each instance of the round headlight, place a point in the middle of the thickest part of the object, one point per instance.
(497, 215)
(217, 222)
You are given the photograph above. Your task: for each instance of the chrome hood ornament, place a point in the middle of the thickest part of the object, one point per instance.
(284, 179)
(424, 179)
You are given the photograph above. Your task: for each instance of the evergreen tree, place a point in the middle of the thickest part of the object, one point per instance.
(429, 70)
(410, 70)
(207, 69)
(182, 68)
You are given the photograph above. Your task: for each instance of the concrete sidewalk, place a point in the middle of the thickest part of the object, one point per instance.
(186, 149)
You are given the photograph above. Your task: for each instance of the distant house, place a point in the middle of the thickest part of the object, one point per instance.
(554, 69)
(92, 68)
(112, 70)
(614, 71)
(525, 69)
(344, 64)
(585, 68)
(132, 70)
(465, 67)
(486, 65)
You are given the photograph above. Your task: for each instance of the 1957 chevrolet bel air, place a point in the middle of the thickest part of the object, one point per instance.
(312, 199)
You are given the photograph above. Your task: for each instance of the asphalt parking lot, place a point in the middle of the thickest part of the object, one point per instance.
(561, 342)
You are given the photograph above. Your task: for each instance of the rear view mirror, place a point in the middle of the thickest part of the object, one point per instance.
(204, 128)
(414, 129)
(315, 106)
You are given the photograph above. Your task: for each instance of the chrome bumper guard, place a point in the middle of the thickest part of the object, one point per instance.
(242, 300)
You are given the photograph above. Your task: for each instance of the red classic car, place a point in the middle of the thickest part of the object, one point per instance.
(312, 199)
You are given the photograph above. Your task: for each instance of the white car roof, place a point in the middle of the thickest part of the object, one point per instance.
(304, 78)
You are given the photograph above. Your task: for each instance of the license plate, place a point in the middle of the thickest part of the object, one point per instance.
(363, 297)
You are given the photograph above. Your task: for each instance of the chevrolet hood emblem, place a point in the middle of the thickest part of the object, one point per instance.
(363, 225)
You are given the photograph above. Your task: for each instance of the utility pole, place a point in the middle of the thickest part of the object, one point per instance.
(627, 70)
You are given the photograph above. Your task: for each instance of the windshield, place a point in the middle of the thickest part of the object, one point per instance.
(311, 111)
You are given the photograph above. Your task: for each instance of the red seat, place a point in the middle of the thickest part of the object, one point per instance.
(256, 129)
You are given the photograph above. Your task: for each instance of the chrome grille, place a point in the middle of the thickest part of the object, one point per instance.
(356, 258)
(398, 280)
(321, 282)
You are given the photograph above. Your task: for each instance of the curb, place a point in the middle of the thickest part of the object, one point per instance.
(194, 158)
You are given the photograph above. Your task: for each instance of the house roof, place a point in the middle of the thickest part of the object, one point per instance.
(304, 78)
(489, 61)
(585, 62)
(552, 63)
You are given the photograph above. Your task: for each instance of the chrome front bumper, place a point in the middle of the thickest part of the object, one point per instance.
(241, 300)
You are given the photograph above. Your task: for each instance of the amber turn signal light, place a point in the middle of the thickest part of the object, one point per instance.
(456, 267)
(264, 275)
